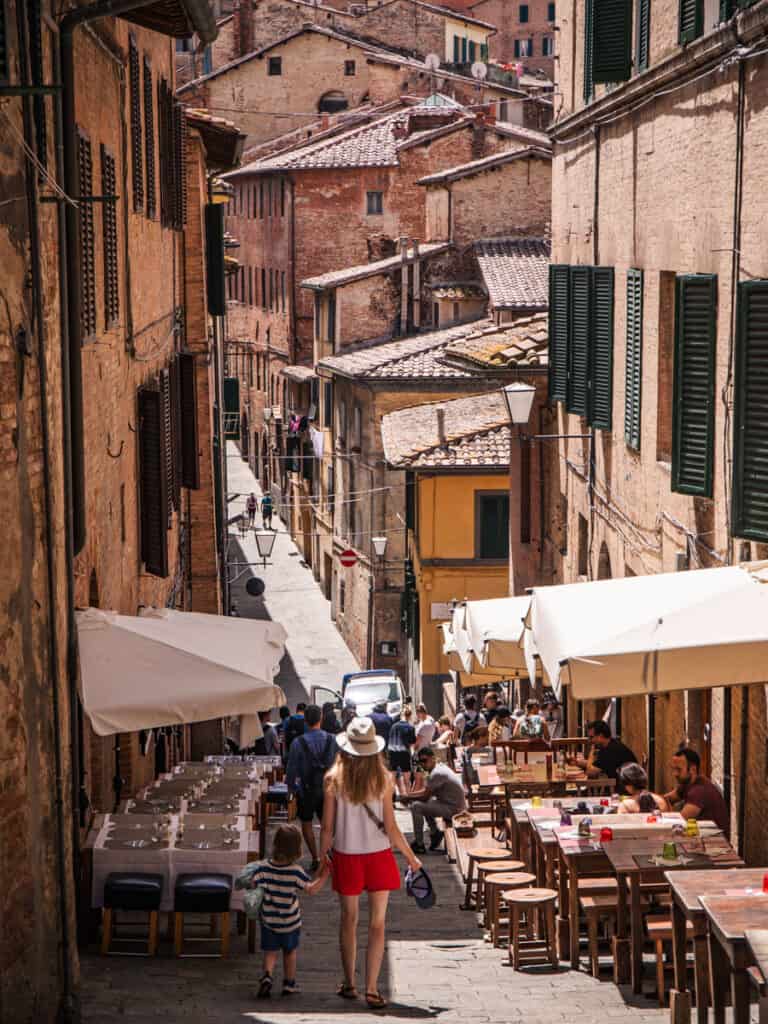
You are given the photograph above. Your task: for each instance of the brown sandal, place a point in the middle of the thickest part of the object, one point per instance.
(346, 991)
(375, 1000)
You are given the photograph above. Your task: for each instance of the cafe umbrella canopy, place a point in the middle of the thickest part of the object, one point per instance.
(653, 634)
(167, 667)
(476, 677)
(488, 634)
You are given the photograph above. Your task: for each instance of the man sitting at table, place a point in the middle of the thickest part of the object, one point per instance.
(607, 755)
(442, 796)
(697, 796)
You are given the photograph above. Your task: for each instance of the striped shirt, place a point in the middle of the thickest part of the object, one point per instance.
(282, 883)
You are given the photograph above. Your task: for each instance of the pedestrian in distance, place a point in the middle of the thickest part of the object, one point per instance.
(425, 727)
(268, 743)
(402, 737)
(282, 879)
(382, 722)
(330, 723)
(468, 718)
(310, 757)
(284, 713)
(359, 832)
(295, 726)
(266, 511)
(251, 505)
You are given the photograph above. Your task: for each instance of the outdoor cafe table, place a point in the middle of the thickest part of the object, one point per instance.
(535, 781)
(631, 861)
(729, 917)
(687, 888)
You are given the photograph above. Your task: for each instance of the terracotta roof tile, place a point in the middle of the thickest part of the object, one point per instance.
(349, 274)
(523, 343)
(515, 271)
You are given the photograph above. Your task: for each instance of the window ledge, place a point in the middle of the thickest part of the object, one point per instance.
(666, 466)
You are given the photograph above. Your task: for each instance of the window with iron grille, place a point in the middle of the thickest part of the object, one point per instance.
(87, 239)
(36, 59)
(149, 139)
(109, 229)
(137, 173)
(275, 66)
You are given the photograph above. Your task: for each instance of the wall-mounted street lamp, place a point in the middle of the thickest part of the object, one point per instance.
(265, 541)
(519, 400)
(379, 546)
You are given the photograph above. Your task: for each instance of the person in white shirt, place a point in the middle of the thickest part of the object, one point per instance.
(425, 728)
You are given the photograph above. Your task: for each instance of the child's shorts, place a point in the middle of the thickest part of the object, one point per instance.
(273, 942)
(373, 872)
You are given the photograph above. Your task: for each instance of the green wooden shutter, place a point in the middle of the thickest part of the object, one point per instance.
(611, 40)
(214, 259)
(633, 393)
(579, 340)
(726, 9)
(601, 350)
(750, 456)
(153, 494)
(493, 510)
(559, 319)
(643, 34)
(691, 20)
(694, 388)
(190, 463)
(589, 85)
(231, 407)
(456, 49)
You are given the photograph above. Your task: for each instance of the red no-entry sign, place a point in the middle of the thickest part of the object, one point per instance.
(348, 558)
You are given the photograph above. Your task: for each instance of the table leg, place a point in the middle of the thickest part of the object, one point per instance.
(468, 887)
(701, 976)
(636, 934)
(621, 970)
(563, 929)
(679, 997)
(573, 914)
(720, 970)
(740, 995)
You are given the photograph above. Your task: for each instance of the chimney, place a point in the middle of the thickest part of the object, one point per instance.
(478, 135)
(440, 417)
(490, 116)
(404, 285)
(400, 129)
(325, 122)
(416, 285)
(243, 11)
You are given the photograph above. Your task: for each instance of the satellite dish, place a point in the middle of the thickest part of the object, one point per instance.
(255, 586)
(479, 70)
(432, 61)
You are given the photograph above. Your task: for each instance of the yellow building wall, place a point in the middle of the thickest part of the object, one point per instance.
(445, 527)
(473, 33)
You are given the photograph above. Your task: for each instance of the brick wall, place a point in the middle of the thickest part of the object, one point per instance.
(523, 189)
(506, 15)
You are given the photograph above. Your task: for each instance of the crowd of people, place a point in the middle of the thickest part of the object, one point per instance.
(345, 772)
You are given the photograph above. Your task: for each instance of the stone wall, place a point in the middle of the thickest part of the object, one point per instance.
(512, 200)
(505, 15)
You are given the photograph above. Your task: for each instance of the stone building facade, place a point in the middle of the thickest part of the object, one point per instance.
(658, 186)
(102, 497)
(525, 32)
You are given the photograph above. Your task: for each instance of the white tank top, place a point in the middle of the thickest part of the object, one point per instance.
(355, 832)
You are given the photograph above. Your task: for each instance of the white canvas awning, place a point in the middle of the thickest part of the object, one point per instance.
(166, 667)
(488, 635)
(648, 634)
(476, 677)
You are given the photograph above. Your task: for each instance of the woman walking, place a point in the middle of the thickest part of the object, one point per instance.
(359, 831)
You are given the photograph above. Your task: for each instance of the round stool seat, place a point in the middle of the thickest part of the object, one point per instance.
(489, 853)
(510, 880)
(529, 897)
(488, 867)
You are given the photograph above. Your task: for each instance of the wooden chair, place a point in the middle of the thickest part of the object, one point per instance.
(495, 885)
(538, 907)
(597, 909)
(659, 930)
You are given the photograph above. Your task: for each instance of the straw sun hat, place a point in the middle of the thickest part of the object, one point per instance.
(360, 739)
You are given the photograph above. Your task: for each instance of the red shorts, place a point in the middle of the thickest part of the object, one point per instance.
(373, 872)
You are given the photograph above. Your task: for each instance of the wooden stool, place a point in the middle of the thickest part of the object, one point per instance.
(131, 891)
(202, 894)
(495, 885)
(597, 908)
(534, 948)
(475, 856)
(490, 867)
(660, 933)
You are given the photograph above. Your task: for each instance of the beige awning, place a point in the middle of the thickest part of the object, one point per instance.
(653, 634)
(478, 677)
(166, 667)
(488, 635)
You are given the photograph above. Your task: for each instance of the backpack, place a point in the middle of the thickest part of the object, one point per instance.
(314, 785)
(467, 724)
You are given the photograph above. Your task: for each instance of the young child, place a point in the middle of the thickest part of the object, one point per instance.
(282, 878)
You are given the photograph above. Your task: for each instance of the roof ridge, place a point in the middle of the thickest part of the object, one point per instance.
(470, 436)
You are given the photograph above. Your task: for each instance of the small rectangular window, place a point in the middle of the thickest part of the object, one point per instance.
(331, 336)
(583, 552)
(282, 197)
(472, 51)
(464, 51)
(456, 49)
(349, 68)
(282, 289)
(550, 12)
(492, 524)
(261, 200)
(263, 287)
(523, 13)
(375, 203)
(691, 23)
(548, 46)
(275, 66)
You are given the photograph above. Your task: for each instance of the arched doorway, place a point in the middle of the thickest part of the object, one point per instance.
(604, 563)
(332, 102)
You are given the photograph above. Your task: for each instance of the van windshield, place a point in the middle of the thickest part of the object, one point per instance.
(372, 692)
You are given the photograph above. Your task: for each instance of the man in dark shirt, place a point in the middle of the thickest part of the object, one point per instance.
(402, 737)
(381, 720)
(695, 795)
(312, 754)
(490, 706)
(295, 726)
(608, 754)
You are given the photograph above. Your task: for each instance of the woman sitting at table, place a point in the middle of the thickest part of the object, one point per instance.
(633, 781)
(531, 726)
(476, 741)
(501, 726)
(446, 734)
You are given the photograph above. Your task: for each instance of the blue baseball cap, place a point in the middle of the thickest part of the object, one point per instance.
(419, 885)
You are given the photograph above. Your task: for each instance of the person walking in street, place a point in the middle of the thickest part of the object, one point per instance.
(310, 757)
(359, 832)
(295, 726)
(695, 795)
(329, 721)
(381, 720)
(468, 718)
(442, 797)
(402, 737)
(531, 726)
(425, 727)
(282, 879)
(251, 505)
(269, 743)
(491, 705)
(266, 511)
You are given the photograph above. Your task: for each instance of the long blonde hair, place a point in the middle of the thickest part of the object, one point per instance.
(358, 779)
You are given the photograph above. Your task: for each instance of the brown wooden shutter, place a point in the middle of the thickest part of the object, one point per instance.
(179, 166)
(109, 226)
(149, 139)
(87, 238)
(167, 381)
(190, 463)
(136, 153)
(152, 483)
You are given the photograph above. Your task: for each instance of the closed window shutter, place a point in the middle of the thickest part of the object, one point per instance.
(152, 490)
(559, 318)
(601, 350)
(171, 476)
(190, 462)
(149, 138)
(694, 391)
(87, 237)
(634, 359)
(34, 17)
(494, 526)
(579, 340)
(136, 153)
(4, 45)
(109, 231)
(611, 40)
(691, 20)
(214, 259)
(589, 85)
(643, 34)
(179, 166)
(175, 395)
(750, 463)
